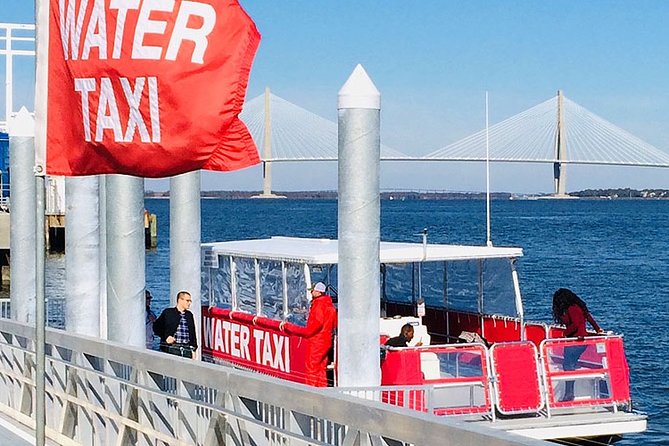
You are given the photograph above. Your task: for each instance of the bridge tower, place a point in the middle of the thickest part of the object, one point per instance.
(559, 169)
(267, 152)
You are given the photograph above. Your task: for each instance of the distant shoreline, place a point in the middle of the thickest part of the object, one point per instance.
(601, 194)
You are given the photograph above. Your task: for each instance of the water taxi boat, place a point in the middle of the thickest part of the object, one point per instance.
(478, 358)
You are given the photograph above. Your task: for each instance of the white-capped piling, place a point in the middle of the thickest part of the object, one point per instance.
(185, 240)
(22, 216)
(359, 109)
(125, 260)
(82, 255)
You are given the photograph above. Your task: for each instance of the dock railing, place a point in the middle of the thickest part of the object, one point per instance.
(100, 392)
(55, 309)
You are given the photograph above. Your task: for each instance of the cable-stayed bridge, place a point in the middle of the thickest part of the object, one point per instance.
(296, 134)
(532, 136)
(557, 131)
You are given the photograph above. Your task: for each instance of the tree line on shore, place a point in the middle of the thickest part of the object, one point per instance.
(622, 193)
(425, 194)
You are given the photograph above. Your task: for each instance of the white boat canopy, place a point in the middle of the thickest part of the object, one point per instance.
(324, 251)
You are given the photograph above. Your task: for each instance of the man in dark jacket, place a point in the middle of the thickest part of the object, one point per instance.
(176, 328)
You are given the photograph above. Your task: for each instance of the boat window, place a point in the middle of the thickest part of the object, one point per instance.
(245, 273)
(271, 288)
(398, 282)
(326, 274)
(296, 287)
(433, 283)
(206, 281)
(463, 285)
(498, 293)
(221, 289)
(460, 364)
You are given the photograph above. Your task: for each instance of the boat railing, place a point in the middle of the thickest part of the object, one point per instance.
(509, 378)
(536, 331)
(516, 378)
(253, 342)
(500, 328)
(599, 376)
(455, 377)
(452, 398)
(445, 325)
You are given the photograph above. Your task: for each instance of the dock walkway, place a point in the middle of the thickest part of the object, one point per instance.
(14, 434)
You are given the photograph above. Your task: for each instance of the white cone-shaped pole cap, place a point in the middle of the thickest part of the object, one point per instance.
(22, 124)
(359, 92)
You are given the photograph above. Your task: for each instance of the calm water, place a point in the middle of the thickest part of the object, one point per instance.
(614, 254)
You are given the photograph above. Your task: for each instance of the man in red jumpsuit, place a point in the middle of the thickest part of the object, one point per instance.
(320, 327)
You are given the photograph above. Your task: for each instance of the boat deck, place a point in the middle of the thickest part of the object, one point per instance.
(572, 423)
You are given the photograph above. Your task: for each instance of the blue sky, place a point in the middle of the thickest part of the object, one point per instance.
(433, 61)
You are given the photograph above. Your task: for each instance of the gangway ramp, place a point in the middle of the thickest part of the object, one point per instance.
(100, 392)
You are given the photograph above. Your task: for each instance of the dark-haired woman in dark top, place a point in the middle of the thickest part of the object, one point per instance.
(570, 310)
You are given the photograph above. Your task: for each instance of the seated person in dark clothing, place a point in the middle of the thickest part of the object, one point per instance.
(406, 335)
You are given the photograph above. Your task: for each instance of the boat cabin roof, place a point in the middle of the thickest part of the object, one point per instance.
(325, 251)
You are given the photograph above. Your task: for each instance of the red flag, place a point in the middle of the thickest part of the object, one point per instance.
(151, 88)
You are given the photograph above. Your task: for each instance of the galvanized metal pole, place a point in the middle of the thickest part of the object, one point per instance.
(185, 240)
(9, 71)
(40, 311)
(359, 105)
(125, 260)
(102, 212)
(22, 216)
(41, 99)
(82, 255)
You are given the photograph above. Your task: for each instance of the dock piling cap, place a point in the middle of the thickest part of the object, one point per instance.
(359, 92)
(22, 124)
